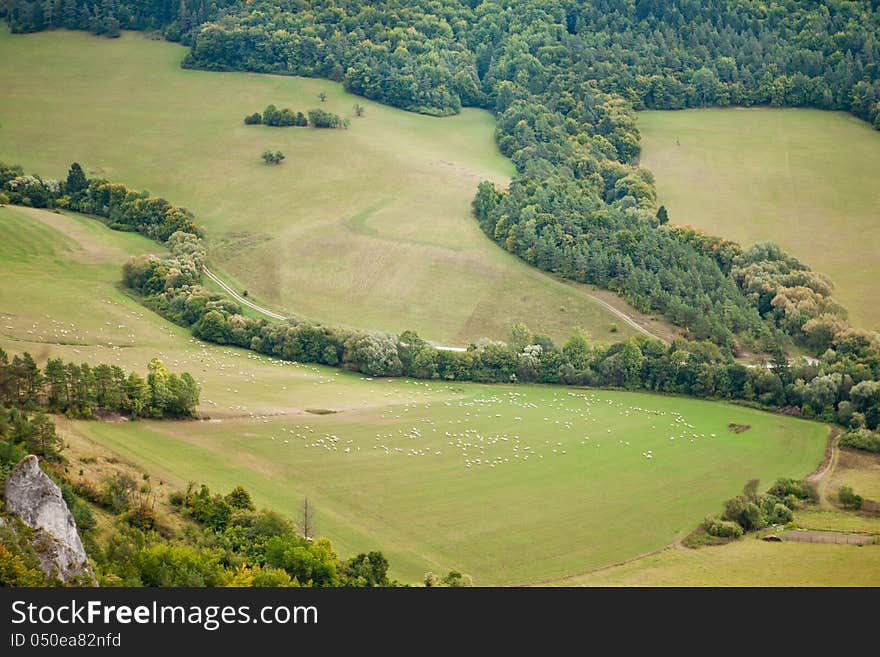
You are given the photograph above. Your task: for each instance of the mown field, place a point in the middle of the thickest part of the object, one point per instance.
(368, 227)
(511, 484)
(804, 178)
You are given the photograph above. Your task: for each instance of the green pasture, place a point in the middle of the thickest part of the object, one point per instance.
(511, 485)
(747, 562)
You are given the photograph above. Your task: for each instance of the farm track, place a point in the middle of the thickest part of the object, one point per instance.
(269, 313)
(235, 295)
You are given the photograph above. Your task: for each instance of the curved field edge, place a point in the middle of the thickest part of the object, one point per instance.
(803, 178)
(369, 227)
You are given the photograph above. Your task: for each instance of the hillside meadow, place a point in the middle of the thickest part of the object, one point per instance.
(747, 562)
(368, 227)
(511, 484)
(804, 178)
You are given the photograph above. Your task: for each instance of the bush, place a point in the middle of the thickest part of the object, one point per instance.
(781, 515)
(239, 498)
(282, 118)
(723, 528)
(783, 488)
(868, 441)
(273, 157)
(456, 579)
(117, 493)
(253, 119)
(320, 119)
(754, 517)
(14, 571)
(142, 517)
(848, 498)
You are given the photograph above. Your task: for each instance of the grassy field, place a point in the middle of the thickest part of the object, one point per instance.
(511, 484)
(806, 179)
(368, 227)
(860, 470)
(747, 562)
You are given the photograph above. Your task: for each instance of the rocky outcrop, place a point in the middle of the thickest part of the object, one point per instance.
(37, 501)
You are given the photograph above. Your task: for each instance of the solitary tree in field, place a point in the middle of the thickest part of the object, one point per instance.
(308, 525)
(322, 96)
(273, 157)
(359, 109)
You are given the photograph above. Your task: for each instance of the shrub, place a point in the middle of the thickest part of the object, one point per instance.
(754, 517)
(780, 515)
(318, 118)
(239, 498)
(848, 498)
(15, 572)
(862, 439)
(456, 579)
(117, 492)
(273, 157)
(796, 487)
(142, 517)
(723, 528)
(253, 119)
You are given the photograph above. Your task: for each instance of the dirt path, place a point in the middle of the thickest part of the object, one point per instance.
(832, 453)
(269, 313)
(235, 295)
(626, 318)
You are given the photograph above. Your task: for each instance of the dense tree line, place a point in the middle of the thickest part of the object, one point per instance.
(122, 208)
(86, 391)
(177, 20)
(841, 386)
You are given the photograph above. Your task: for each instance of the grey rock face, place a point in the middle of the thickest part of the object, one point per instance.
(37, 501)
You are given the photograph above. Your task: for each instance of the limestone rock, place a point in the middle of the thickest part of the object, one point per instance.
(37, 501)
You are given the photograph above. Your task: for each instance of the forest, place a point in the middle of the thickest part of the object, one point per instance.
(84, 391)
